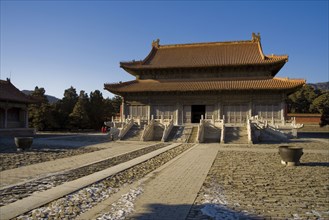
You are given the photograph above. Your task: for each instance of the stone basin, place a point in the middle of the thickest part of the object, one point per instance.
(290, 155)
(23, 143)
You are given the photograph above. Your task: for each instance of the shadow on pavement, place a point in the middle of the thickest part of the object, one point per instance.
(206, 211)
(315, 164)
(324, 135)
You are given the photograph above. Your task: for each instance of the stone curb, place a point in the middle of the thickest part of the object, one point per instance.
(41, 198)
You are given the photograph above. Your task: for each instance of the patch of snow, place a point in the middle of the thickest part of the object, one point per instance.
(316, 213)
(216, 205)
(209, 210)
(296, 217)
(123, 207)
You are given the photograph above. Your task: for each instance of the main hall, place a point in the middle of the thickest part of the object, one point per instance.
(219, 82)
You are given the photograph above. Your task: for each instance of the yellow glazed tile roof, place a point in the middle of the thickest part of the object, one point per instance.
(205, 55)
(149, 85)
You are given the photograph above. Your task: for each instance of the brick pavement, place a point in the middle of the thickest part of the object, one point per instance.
(171, 192)
(27, 173)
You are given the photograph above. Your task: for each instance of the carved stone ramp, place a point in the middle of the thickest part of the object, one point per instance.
(236, 135)
(134, 134)
(158, 132)
(212, 134)
(173, 134)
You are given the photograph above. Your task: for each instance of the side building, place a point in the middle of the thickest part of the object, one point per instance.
(14, 110)
(222, 82)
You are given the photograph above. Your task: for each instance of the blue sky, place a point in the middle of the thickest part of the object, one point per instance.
(58, 44)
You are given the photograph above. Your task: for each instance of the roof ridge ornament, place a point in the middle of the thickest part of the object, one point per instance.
(156, 43)
(255, 37)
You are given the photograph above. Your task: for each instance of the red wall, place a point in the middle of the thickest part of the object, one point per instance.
(306, 118)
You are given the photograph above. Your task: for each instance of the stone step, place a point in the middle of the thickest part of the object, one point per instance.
(193, 136)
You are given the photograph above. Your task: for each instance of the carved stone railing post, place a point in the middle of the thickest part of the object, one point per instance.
(167, 130)
(201, 126)
(138, 120)
(148, 131)
(126, 128)
(249, 131)
(222, 135)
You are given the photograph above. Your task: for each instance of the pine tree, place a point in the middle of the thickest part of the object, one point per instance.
(65, 107)
(96, 109)
(40, 114)
(79, 117)
(321, 105)
(301, 100)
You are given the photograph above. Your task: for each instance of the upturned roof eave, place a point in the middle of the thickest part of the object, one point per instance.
(20, 100)
(14, 95)
(132, 68)
(123, 93)
(117, 88)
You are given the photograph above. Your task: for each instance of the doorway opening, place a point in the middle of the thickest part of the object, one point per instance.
(197, 111)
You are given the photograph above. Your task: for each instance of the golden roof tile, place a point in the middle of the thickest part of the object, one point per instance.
(211, 54)
(150, 85)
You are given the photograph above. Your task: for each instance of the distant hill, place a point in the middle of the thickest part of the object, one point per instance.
(320, 85)
(51, 99)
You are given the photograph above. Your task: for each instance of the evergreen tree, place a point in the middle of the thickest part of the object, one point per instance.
(116, 102)
(321, 105)
(69, 100)
(301, 100)
(79, 116)
(41, 113)
(96, 109)
(65, 107)
(108, 109)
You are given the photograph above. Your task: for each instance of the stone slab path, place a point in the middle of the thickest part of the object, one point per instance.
(171, 193)
(27, 173)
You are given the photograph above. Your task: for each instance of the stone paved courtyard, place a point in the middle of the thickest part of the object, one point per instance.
(249, 181)
(244, 181)
(47, 147)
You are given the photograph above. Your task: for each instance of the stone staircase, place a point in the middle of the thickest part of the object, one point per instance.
(236, 135)
(134, 134)
(193, 136)
(212, 134)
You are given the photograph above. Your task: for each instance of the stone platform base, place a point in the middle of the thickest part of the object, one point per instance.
(17, 132)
